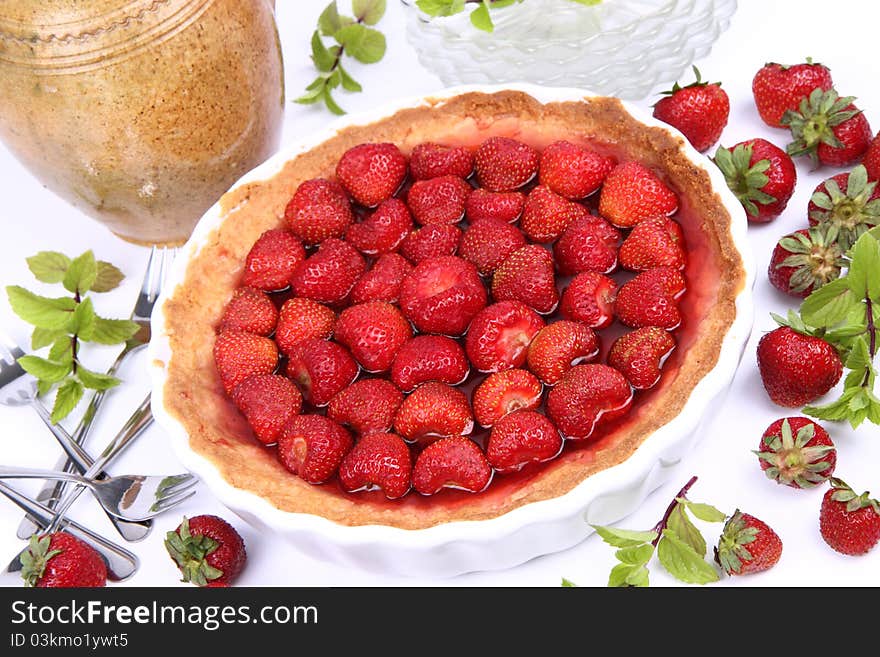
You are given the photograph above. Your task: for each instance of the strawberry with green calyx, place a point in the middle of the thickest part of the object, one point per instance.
(207, 550)
(699, 110)
(762, 176)
(806, 260)
(61, 560)
(747, 545)
(780, 87)
(797, 452)
(848, 522)
(847, 202)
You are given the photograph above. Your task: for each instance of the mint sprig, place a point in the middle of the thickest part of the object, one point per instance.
(480, 16)
(63, 323)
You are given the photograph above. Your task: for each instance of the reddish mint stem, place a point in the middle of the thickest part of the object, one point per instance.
(660, 526)
(872, 339)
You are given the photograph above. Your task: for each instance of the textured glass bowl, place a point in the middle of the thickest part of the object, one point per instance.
(622, 48)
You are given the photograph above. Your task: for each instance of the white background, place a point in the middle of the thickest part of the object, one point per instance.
(33, 219)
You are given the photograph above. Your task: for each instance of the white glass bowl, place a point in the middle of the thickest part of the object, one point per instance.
(622, 48)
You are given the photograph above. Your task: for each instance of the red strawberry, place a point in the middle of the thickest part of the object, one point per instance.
(378, 460)
(321, 369)
(302, 319)
(371, 173)
(796, 368)
(499, 335)
(700, 111)
(589, 298)
(872, 159)
(367, 405)
(267, 401)
(383, 230)
(639, 355)
(504, 164)
(272, 259)
(586, 396)
(632, 193)
(778, 88)
(558, 347)
(747, 545)
(249, 310)
(429, 358)
(328, 275)
(382, 282)
(454, 462)
(503, 206)
(487, 242)
(849, 523)
(442, 295)
(319, 209)
(430, 160)
(503, 392)
(208, 551)
(239, 355)
(588, 244)
(846, 204)
(762, 176)
(650, 299)
(430, 242)
(373, 332)
(655, 242)
(547, 214)
(804, 261)
(572, 170)
(62, 561)
(526, 275)
(797, 452)
(828, 128)
(521, 438)
(313, 446)
(434, 410)
(438, 200)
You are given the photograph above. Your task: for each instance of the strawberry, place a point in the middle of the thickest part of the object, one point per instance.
(654, 242)
(499, 335)
(589, 298)
(302, 319)
(207, 550)
(383, 230)
(313, 446)
(371, 173)
(250, 310)
(438, 200)
(382, 281)
(321, 369)
(804, 261)
(572, 170)
(747, 545)
(434, 410)
(546, 214)
(503, 206)
(639, 355)
(267, 401)
(487, 242)
(239, 355)
(796, 368)
(430, 242)
(632, 193)
(828, 128)
(328, 275)
(503, 392)
(778, 88)
(872, 159)
(454, 462)
(847, 204)
(430, 160)
(849, 523)
(366, 405)
(650, 299)
(429, 358)
(700, 111)
(588, 244)
(378, 460)
(319, 209)
(272, 259)
(373, 332)
(558, 347)
(527, 275)
(762, 176)
(504, 164)
(796, 452)
(586, 396)
(61, 560)
(442, 295)
(520, 438)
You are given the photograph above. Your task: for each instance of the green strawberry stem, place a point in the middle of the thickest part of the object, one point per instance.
(660, 526)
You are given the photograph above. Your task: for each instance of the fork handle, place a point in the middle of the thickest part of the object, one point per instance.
(14, 472)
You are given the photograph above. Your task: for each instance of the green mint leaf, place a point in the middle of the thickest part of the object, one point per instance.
(636, 555)
(334, 79)
(830, 304)
(43, 387)
(369, 12)
(705, 512)
(331, 104)
(314, 92)
(862, 277)
(62, 351)
(109, 331)
(48, 266)
(83, 318)
(322, 57)
(624, 574)
(44, 337)
(68, 396)
(44, 369)
(481, 19)
(568, 584)
(81, 274)
(441, 7)
(682, 526)
(588, 3)
(94, 380)
(623, 537)
(108, 278)
(836, 411)
(38, 310)
(348, 82)
(682, 562)
(329, 21)
(363, 43)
